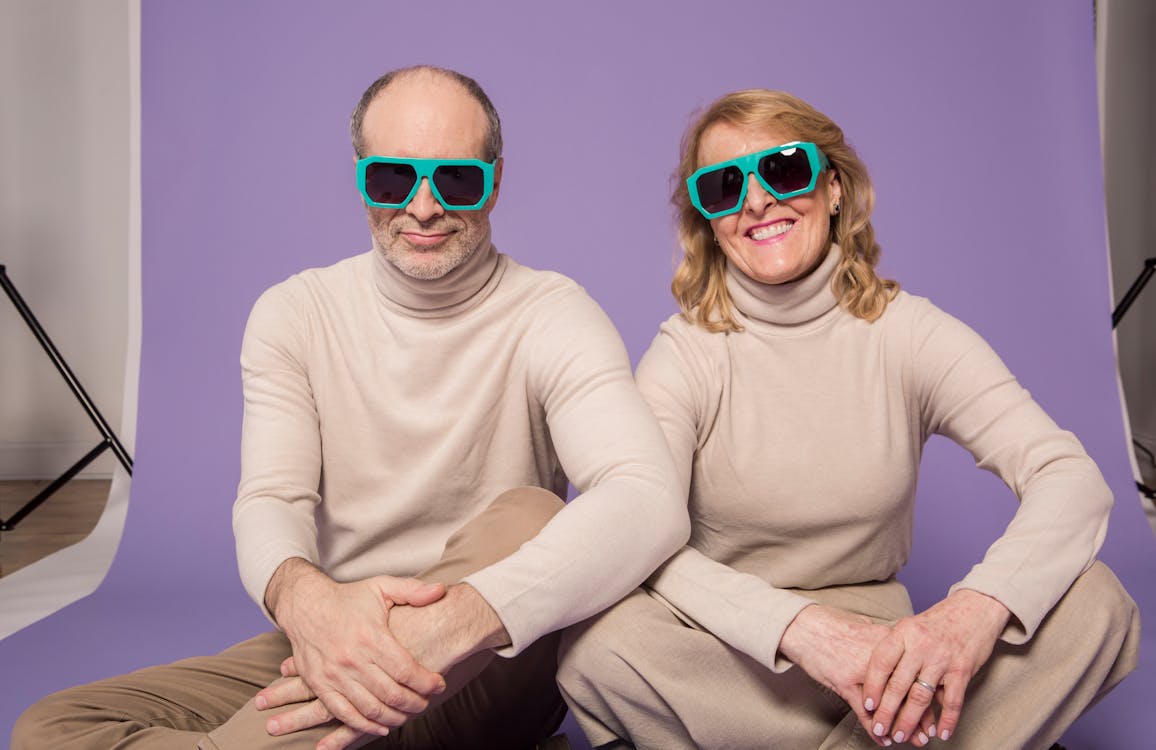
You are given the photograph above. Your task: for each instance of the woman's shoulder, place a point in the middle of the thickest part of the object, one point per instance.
(906, 307)
(682, 331)
(916, 313)
(921, 311)
(927, 333)
(682, 346)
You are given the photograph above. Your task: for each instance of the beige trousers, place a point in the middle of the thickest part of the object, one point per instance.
(643, 674)
(205, 702)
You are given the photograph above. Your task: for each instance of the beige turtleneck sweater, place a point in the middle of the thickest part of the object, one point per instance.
(383, 412)
(798, 441)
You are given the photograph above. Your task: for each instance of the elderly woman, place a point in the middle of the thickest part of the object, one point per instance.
(796, 390)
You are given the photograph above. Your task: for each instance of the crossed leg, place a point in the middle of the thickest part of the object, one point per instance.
(206, 702)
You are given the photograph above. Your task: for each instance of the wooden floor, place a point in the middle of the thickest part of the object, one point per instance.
(64, 519)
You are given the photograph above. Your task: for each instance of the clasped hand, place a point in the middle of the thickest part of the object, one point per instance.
(347, 662)
(943, 647)
(876, 668)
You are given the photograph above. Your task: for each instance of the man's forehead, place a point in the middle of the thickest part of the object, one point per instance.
(428, 115)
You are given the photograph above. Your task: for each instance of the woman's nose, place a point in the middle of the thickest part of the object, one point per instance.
(757, 198)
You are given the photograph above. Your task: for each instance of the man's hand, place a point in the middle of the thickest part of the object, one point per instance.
(944, 647)
(343, 648)
(445, 633)
(833, 647)
(438, 635)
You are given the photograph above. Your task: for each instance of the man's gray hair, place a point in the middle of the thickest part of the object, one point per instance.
(493, 143)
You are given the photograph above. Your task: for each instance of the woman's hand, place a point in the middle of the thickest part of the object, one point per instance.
(942, 647)
(833, 647)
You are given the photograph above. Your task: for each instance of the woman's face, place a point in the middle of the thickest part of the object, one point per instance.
(771, 241)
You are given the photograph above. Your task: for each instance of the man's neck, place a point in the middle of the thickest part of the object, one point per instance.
(436, 297)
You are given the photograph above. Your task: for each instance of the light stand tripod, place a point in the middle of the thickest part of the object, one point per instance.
(1130, 297)
(109, 439)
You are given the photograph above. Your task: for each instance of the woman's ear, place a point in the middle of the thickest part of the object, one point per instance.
(834, 191)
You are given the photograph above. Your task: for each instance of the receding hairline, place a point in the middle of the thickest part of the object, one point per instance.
(419, 71)
(492, 139)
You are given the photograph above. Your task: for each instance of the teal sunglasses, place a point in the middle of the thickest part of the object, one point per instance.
(392, 182)
(784, 172)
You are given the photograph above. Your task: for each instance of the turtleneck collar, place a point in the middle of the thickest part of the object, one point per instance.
(460, 289)
(790, 304)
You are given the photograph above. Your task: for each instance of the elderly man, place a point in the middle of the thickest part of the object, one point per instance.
(389, 399)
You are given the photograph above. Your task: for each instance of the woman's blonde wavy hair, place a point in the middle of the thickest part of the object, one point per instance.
(700, 281)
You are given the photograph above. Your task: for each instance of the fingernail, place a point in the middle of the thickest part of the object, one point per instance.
(869, 704)
(271, 727)
(923, 738)
(899, 736)
(944, 735)
(931, 731)
(878, 729)
(260, 702)
(886, 742)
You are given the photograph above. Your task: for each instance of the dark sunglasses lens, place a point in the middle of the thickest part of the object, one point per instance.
(460, 184)
(720, 190)
(786, 171)
(389, 183)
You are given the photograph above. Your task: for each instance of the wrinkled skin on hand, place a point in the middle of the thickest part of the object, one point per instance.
(437, 632)
(345, 653)
(833, 647)
(944, 646)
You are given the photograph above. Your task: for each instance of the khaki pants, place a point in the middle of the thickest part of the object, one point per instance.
(205, 702)
(644, 674)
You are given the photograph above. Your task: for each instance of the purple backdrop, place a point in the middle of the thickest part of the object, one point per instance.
(977, 119)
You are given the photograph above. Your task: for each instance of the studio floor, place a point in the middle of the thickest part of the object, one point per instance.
(63, 519)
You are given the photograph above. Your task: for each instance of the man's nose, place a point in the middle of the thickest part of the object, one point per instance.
(424, 205)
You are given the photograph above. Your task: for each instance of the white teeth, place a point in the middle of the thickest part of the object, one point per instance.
(771, 230)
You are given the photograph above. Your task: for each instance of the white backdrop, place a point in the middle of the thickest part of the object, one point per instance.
(1127, 79)
(66, 224)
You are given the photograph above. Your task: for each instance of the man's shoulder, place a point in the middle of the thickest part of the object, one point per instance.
(335, 274)
(318, 283)
(290, 302)
(543, 290)
(553, 312)
(523, 276)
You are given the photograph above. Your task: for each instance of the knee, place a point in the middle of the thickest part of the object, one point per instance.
(1101, 600)
(38, 727)
(513, 518)
(601, 653)
(1096, 620)
(525, 510)
(580, 650)
(1107, 611)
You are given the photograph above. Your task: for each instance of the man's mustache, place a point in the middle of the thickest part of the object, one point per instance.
(437, 226)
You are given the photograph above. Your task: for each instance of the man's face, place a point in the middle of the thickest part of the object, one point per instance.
(426, 116)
